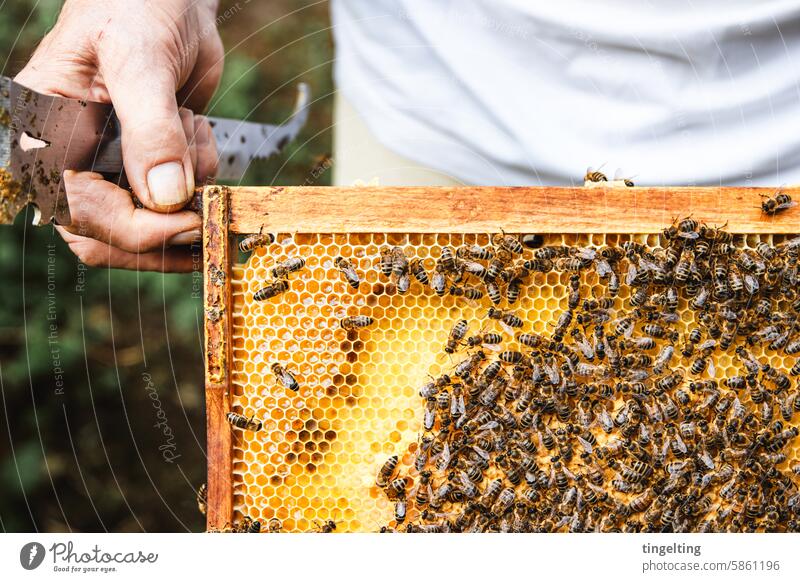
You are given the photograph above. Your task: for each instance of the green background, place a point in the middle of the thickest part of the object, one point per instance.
(88, 459)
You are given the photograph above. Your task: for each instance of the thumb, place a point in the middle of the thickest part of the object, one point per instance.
(155, 151)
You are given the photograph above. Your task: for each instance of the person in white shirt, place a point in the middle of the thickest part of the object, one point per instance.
(500, 92)
(521, 92)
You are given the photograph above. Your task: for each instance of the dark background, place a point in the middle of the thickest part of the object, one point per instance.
(88, 458)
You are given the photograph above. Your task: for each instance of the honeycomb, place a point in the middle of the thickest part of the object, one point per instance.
(318, 453)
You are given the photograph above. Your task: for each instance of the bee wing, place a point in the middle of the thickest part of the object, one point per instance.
(603, 268)
(706, 345)
(785, 205)
(430, 418)
(507, 328)
(665, 448)
(444, 458)
(712, 369)
(630, 277)
(587, 446)
(680, 444)
(708, 461)
(605, 420)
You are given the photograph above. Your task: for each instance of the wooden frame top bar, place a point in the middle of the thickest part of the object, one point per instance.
(322, 209)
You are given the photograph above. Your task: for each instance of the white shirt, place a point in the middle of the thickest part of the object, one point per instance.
(515, 92)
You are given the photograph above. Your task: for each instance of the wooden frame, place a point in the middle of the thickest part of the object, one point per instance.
(485, 209)
(216, 305)
(231, 211)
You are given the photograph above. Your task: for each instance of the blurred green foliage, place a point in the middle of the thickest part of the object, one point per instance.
(89, 359)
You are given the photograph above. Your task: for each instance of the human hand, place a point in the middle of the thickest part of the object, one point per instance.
(149, 59)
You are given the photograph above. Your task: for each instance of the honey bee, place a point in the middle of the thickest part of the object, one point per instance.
(386, 262)
(356, 322)
(538, 265)
(429, 419)
(254, 241)
(239, 421)
(400, 264)
(418, 270)
(386, 471)
(466, 367)
(513, 290)
(487, 340)
(403, 283)
(506, 317)
(328, 526)
(593, 175)
(777, 203)
(285, 377)
(457, 334)
(349, 272)
(274, 525)
(619, 176)
(250, 525)
(273, 289)
(563, 323)
(202, 498)
(397, 488)
(282, 270)
(439, 281)
(508, 243)
(493, 291)
(447, 260)
(475, 251)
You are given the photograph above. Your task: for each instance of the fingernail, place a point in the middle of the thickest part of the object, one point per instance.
(167, 184)
(185, 238)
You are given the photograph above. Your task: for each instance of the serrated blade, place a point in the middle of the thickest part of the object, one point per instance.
(69, 134)
(239, 143)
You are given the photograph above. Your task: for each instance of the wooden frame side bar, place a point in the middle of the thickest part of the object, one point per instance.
(217, 306)
(489, 209)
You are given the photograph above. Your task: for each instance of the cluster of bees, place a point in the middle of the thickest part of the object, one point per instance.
(249, 525)
(615, 418)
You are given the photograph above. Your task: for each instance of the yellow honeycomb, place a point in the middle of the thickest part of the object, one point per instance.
(320, 449)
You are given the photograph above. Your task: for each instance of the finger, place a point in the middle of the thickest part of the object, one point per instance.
(207, 156)
(187, 120)
(199, 88)
(154, 146)
(94, 253)
(57, 67)
(105, 212)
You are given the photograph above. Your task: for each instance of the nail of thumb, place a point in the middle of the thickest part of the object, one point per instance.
(167, 184)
